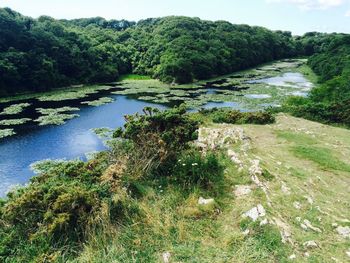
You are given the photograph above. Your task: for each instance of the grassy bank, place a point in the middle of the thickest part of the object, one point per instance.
(229, 192)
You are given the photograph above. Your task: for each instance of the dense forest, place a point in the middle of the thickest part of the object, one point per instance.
(330, 101)
(44, 53)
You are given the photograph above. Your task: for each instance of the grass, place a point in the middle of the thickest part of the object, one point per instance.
(133, 77)
(162, 217)
(322, 156)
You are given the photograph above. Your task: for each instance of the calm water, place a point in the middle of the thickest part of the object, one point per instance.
(71, 140)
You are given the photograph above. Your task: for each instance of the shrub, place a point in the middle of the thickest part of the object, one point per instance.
(194, 169)
(237, 117)
(158, 136)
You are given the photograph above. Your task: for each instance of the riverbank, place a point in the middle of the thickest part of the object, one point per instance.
(262, 193)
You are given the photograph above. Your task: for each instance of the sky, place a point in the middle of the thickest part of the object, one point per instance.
(298, 16)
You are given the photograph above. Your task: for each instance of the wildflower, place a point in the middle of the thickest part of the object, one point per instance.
(194, 164)
(183, 164)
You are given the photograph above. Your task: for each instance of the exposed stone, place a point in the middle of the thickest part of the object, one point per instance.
(246, 232)
(166, 257)
(292, 257)
(343, 231)
(303, 226)
(255, 212)
(297, 205)
(264, 222)
(203, 201)
(310, 244)
(308, 224)
(242, 190)
(285, 189)
(255, 169)
(309, 199)
(285, 231)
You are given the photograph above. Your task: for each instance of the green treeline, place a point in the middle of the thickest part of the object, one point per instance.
(44, 53)
(330, 101)
(41, 54)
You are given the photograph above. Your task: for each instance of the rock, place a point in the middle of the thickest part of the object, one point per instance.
(310, 244)
(166, 257)
(246, 232)
(307, 254)
(285, 189)
(309, 199)
(242, 190)
(308, 224)
(264, 222)
(297, 205)
(203, 201)
(292, 257)
(234, 158)
(255, 169)
(285, 231)
(343, 231)
(303, 226)
(255, 212)
(334, 224)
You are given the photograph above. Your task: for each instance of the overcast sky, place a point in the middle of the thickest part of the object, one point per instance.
(298, 16)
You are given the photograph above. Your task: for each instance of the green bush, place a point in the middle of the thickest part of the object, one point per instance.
(194, 169)
(237, 117)
(158, 136)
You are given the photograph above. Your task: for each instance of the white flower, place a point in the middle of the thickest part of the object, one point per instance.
(183, 164)
(194, 164)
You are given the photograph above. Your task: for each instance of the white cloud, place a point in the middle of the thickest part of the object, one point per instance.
(311, 4)
(347, 13)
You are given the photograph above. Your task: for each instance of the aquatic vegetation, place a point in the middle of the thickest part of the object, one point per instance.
(52, 116)
(15, 109)
(251, 89)
(6, 133)
(73, 94)
(48, 111)
(225, 115)
(98, 102)
(55, 119)
(11, 122)
(103, 132)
